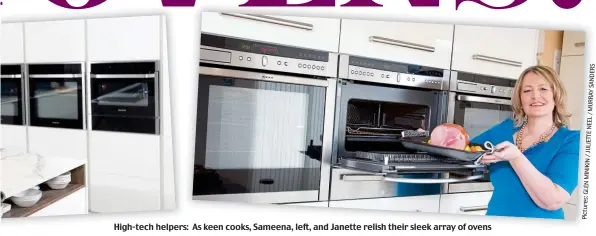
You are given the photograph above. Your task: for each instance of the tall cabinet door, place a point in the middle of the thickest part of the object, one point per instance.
(124, 38)
(494, 51)
(11, 43)
(55, 41)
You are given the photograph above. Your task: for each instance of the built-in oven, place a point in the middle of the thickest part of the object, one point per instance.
(477, 103)
(264, 122)
(125, 97)
(380, 104)
(56, 95)
(13, 95)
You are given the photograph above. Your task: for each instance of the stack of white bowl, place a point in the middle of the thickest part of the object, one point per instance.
(59, 182)
(27, 198)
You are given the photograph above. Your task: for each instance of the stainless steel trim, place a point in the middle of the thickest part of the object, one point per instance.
(399, 43)
(158, 92)
(26, 100)
(261, 76)
(470, 187)
(267, 198)
(344, 66)
(362, 177)
(453, 81)
(124, 76)
(468, 98)
(45, 76)
(580, 44)
(496, 60)
(473, 208)
(273, 20)
(451, 108)
(11, 76)
(219, 56)
(328, 128)
(84, 95)
(432, 181)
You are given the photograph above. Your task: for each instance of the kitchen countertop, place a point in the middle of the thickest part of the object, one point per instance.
(22, 171)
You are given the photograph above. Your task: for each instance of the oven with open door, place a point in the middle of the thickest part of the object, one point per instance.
(380, 104)
(477, 103)
(264, 122)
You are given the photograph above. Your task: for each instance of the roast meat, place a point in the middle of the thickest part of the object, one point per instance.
(450, 136)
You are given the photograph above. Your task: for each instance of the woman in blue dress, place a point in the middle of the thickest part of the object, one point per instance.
(538, 169)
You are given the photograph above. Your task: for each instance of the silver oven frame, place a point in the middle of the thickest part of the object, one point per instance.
(320, 195)
(23, 77)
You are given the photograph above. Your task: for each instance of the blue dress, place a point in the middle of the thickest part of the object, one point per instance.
(558, 159)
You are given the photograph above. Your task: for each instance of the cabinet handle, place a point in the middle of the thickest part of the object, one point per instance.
(473, 208)
(496, 60)
(399, 43)
(580, 44)
(273, 20)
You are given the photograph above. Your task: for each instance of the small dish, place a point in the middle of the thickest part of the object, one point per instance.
(27, 198)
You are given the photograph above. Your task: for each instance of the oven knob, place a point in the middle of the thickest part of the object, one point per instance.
(286, 63)
(248, 58)
(240, 58)
(279, 63)
(322, 67)
(493, 89)
(264, 61)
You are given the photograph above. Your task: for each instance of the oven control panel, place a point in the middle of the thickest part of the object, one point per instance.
(376, 71)
(485, 89)
(266, 56)
(482, 85)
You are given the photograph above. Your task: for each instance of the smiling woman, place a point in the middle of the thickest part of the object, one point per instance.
(537, 169)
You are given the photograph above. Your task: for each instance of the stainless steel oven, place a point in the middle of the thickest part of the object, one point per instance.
(378, 103)
(56, 95)
(477, 103)
(264, 122)
(13, 95)
(125, 97)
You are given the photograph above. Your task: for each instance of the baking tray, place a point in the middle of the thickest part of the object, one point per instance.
(402, 168)
(443, 151)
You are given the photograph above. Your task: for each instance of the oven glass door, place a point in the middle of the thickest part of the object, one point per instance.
(12, 101)
(56, 102)
(478, 114)
(258, 140)
(123, 96)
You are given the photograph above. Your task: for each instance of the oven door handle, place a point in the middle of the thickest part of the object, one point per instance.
(17, 76)
(473, 208)
(384, 177)
(467, 98)
(53, 76)
(123, 76)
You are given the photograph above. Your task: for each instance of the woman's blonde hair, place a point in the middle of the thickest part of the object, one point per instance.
(560, 114)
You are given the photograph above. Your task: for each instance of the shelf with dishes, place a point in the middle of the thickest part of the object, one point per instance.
(37, 183)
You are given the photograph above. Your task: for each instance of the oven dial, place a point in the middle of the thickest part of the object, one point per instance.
(493, 89)
(264, 61)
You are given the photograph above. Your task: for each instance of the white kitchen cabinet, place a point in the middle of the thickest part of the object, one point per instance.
(310, 204)
(124, 38)
(573, 43)
(414, 43)
(428, 203)
(465, 203)
(55, 41)
(58, 142)
(124, 172)
(14, 138)
(73, 204)
(573, 77)
(305, 32)
(494, 51)
(12, 43)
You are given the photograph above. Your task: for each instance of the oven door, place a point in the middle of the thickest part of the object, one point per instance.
(262, 138)
(368, 117)
(56, 100)
(124, 95)
(12, 100)
(476, 114)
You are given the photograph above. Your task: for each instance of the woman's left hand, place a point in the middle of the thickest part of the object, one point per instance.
(509, 152)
